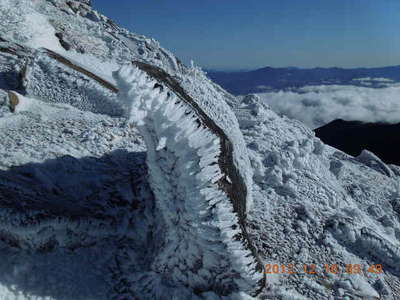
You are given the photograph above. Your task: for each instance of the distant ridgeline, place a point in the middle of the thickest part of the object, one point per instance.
(352, 137)
(270, 79)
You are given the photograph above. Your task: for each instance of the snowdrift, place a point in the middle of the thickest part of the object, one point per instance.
(126, 175)
(75, 85)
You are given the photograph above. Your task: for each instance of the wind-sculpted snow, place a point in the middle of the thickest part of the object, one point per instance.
(320, 206)
(186, 202)
(219, 118)
(13, 59)
(71, 202)
(75, 85)
(200, 195)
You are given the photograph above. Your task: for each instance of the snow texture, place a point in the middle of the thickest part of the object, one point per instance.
(199, 248)
(94, 207)
(320, 206)
(74, 85)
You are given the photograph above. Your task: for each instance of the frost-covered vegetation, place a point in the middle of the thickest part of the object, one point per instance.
(158, 184)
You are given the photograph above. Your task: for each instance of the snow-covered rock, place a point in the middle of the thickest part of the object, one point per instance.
(201, 194)
(179, 190)
(319, 206)
(74, 84)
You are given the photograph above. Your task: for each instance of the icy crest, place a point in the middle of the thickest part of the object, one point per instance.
(198, 232)
(79, 221)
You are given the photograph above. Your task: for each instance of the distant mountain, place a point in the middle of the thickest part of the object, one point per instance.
(269, 79)
(353, 136)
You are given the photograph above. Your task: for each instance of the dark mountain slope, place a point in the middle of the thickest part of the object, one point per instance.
(353, 136)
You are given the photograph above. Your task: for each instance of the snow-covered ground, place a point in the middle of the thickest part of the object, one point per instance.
(317, 205)
(186, 200)
(318, 105)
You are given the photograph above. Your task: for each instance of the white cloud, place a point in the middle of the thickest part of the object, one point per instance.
(380, 79)
(319, 105)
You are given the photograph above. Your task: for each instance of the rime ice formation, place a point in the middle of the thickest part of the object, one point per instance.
(199, 192)
(173, 188)
(75, 85)
(320, 206)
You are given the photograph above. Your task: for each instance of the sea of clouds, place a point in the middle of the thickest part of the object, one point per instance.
(318, 105)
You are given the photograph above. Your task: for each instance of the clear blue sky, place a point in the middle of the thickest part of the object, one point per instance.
(243, 34)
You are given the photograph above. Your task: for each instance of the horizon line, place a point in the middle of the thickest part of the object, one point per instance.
(227, 69)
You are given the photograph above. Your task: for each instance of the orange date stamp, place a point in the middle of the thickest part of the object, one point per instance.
(311, 269)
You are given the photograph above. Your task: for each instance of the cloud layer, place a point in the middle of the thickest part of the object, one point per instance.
(319, 105)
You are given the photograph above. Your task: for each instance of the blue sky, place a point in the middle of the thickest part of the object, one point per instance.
(248, 34)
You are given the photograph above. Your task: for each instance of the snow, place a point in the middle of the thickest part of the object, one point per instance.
(184, 173)
(314, 213)
(43, 34)
(23, 24)
(117, 197)
(73, 87)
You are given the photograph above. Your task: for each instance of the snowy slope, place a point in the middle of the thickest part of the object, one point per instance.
(317, 205)
(155, 183)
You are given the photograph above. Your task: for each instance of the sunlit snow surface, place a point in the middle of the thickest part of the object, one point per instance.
(197, 244)
(78, 218)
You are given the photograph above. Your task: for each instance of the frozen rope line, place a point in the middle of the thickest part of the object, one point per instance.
(202, 239)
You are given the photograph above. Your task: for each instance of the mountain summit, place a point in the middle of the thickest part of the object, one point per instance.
(125, 174)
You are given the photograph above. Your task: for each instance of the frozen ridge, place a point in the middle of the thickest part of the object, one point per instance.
(204, 246)
(86, 214)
